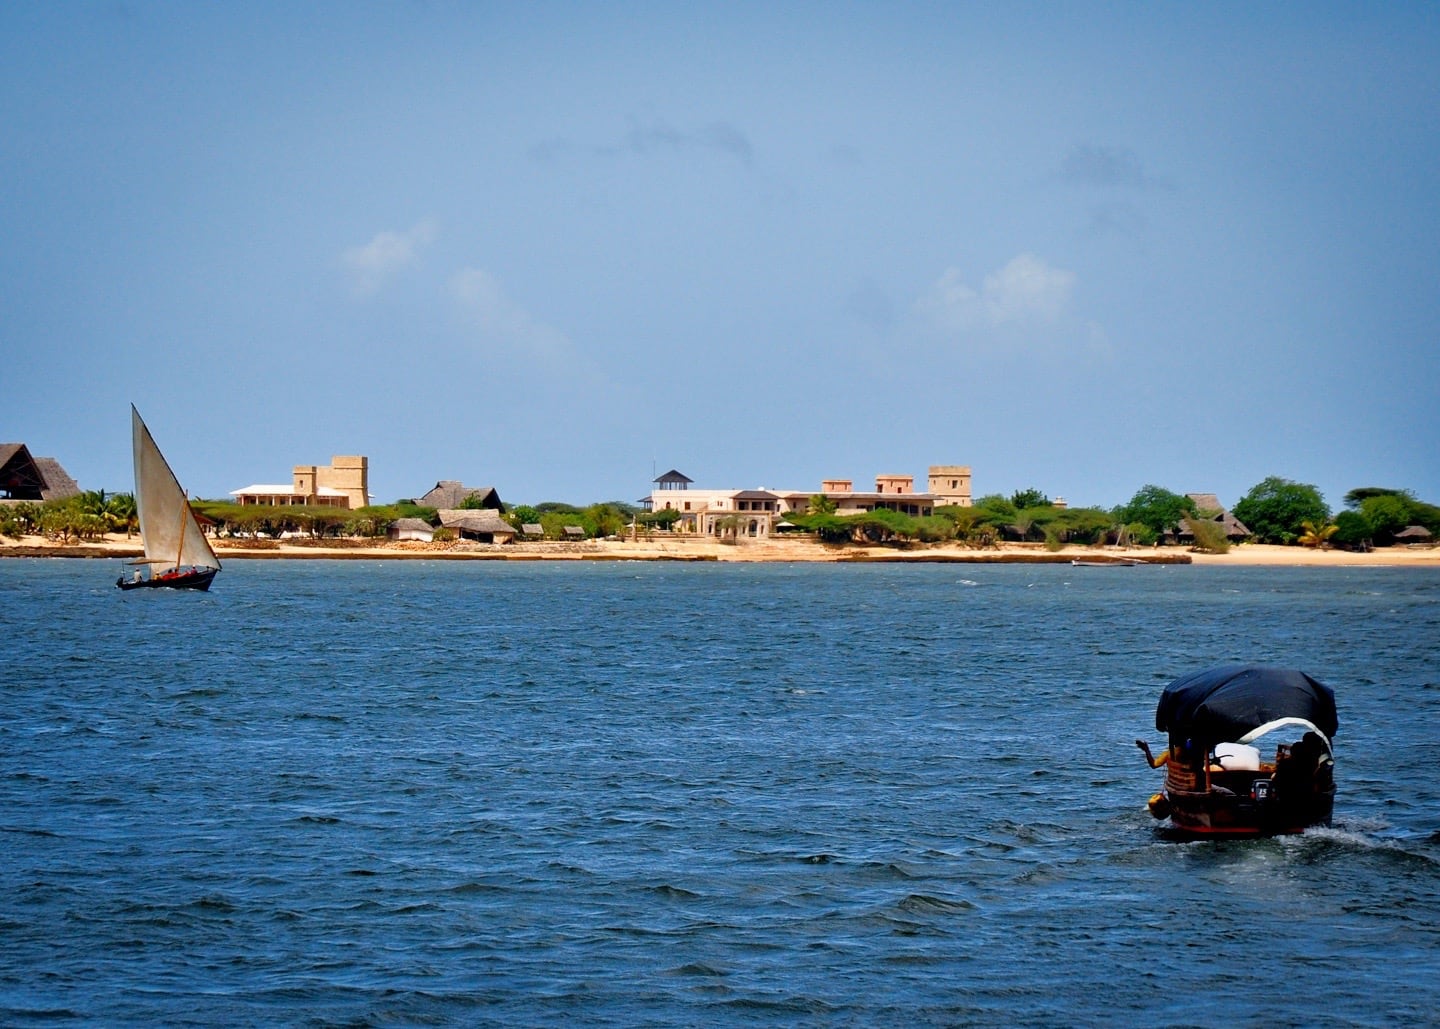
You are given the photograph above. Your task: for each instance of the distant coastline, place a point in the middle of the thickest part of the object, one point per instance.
(683, 548)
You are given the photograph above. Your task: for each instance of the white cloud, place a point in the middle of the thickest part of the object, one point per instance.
(371, 265)
(1026, 292)
(500, 320)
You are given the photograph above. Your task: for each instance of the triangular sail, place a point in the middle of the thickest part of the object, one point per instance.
(170, 533)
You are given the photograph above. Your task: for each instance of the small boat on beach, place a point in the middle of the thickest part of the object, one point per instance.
(1106, 562)
(1217, 784)
(177, 554)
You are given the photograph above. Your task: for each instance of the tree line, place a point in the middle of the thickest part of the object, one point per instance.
(1275, 510)
(85, 516)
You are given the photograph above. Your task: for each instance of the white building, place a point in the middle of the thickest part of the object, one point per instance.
(754, 513)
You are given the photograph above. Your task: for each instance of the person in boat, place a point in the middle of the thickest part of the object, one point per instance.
(1152, 760)
(1299, 772)
(1170, 754)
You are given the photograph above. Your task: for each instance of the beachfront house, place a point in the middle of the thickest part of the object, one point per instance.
(344, 482)
(714, 512)
(892, 492)
(755, 513)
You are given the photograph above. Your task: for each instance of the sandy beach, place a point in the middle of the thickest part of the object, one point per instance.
(682, 548)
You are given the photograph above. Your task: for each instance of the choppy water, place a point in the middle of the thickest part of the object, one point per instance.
(403, 793)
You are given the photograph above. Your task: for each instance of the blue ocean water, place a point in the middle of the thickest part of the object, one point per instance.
(399, 793)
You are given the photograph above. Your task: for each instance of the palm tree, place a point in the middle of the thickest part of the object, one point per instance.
(1313, 535)
(120, 513)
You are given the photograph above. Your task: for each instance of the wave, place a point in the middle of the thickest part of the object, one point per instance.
(924, 903)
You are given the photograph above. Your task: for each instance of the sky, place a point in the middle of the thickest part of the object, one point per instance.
(562, 248)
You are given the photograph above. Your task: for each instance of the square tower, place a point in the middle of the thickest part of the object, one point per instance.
(950, 485)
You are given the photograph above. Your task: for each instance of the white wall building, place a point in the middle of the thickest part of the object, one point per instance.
(754, 513)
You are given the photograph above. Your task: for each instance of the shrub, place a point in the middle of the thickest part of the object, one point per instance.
(1209, 536)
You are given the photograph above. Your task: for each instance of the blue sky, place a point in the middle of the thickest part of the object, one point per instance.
(562, 248)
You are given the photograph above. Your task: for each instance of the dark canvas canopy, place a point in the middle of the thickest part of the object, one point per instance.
(1223, 704)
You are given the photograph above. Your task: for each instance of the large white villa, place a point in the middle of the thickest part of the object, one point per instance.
(755, 512)
(344, 482)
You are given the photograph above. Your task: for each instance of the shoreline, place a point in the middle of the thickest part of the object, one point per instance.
(690, 549)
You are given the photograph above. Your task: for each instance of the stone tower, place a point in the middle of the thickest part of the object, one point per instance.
(950, 485)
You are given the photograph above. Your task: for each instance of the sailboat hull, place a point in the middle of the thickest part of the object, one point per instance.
(199, 579)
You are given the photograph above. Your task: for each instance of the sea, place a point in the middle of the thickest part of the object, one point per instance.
(418, 793)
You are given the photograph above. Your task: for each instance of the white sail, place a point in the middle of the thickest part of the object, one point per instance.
(170, 533)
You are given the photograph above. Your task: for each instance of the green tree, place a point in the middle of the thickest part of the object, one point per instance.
(1209, 535)
(965, 522)
(607, 519)
(1024, 498)
(934, 529)
(1274, 509)
(828, 528)
(1379, 513)
(121, 513)
(881, 526)
(554, 523)
(1386, 514)
(74, 518)
(329, 521)
(729, 526)
(1157, 509)
(1427, 515)
(664, 519)
(1087, 525)
(555, 507)
(994, 510)
(1358, 496)
(13, 521)
(1351, 529)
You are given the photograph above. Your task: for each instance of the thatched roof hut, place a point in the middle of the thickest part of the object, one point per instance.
(451, 493)
(23, 477)
(471, 524)
(1234, 528)
(1413, 534)
(410, 529)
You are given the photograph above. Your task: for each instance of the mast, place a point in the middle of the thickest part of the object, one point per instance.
(180, 542)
